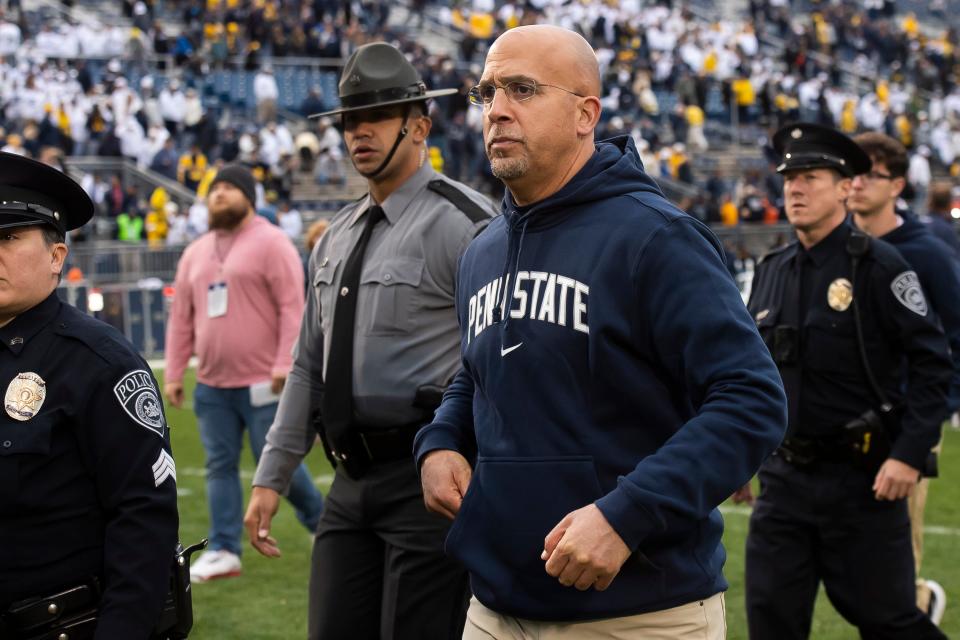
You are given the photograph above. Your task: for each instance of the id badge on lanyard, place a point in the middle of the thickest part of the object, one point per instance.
(217, 300)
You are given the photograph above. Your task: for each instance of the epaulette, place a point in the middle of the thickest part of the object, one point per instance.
(474, 212)
(773, 252)
(102, 339)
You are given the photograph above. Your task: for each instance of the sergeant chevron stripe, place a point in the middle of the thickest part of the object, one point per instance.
(163, 468)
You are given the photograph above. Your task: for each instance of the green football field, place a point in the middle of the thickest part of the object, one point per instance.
(269, 600)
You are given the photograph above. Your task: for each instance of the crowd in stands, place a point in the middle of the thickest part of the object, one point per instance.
(690, 89)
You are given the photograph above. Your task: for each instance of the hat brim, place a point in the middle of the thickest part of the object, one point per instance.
(376, 105)
(793, 165)
(10, 220)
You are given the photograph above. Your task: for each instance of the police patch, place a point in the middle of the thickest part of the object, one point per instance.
(140, 400)
(906, 288)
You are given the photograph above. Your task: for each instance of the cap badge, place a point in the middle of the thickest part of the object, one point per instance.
(796, 134)
(355, 79)
(840, 294)
(25, 395)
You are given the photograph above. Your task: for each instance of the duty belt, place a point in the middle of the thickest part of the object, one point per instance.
(803, 451)
(365, 446)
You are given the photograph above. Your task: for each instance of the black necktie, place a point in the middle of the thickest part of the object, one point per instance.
(337, 405)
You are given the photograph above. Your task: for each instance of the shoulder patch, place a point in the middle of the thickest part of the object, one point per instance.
(906, 289)
(139, 398)
(474, 212)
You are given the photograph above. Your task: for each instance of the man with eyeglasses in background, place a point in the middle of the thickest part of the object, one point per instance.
(377, 345)
(873, 200)
(607, 414)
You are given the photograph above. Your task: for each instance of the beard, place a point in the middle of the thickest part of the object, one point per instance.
(508, 168)
(226, 217)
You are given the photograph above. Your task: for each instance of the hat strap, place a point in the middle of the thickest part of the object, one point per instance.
(396, 145)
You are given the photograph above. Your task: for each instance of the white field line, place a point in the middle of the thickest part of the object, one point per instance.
(932, 529)
(197, 472)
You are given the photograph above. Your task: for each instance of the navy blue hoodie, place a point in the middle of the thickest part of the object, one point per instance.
(936, 266)
(622, 369)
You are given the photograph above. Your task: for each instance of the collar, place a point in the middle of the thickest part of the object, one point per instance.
(29, 323)
(398, 201)
(829, 246)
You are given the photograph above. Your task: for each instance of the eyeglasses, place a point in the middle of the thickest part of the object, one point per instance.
(870, 176)
(517, 91)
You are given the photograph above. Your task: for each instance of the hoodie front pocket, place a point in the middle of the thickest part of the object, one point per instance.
(511, 506)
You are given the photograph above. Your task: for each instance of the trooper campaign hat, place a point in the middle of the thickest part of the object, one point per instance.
(34, 193)
(378, 75)
(810, 146)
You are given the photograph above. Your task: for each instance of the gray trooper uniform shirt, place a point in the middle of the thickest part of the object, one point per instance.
(406, 334)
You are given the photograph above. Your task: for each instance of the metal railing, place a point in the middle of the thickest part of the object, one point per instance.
(145, 179)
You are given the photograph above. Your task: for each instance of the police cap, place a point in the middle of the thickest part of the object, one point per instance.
(35, 193)
(806, 145)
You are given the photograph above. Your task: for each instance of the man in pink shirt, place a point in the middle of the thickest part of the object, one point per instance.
(238, 303)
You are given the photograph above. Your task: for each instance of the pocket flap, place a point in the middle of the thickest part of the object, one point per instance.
(29, 436)
(325, 272)
(393, 271)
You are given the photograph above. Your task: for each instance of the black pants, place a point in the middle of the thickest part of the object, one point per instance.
(378, 565)
(824, 524)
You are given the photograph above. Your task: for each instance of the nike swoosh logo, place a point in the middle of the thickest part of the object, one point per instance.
(504, 352)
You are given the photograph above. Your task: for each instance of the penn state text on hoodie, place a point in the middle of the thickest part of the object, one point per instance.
(936, 266)
(607, 358)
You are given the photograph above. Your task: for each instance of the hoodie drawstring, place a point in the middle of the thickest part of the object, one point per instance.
(509, 273)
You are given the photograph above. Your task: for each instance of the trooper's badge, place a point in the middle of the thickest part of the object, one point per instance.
(840, 294)
(139, 399)
(906, 288)
(25, 395)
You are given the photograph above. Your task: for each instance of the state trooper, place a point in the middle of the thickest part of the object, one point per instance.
(88, 499)
(378, 343)
(846, 320)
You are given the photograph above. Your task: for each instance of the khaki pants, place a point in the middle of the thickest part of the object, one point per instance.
(916, 504)
(698, 620)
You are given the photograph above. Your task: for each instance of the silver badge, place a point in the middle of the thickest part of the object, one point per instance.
(906, 288)
(140, 400)
(25, 395)
(796, 134)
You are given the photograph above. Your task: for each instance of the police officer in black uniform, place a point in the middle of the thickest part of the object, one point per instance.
(88, 513)
(846, 321)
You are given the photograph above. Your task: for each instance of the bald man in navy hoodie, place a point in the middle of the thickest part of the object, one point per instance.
(614, 389)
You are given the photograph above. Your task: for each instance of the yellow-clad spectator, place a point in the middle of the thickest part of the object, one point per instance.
(728, 212)
(743, 92)
(848, 118)
(911, 26)
(155, 223)
(883, 93)
(436, 159)
(710, 62)
(192, 167)
(696, 139)
(904, 130)
(204, 187)
(481, 26)
(677, 157)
